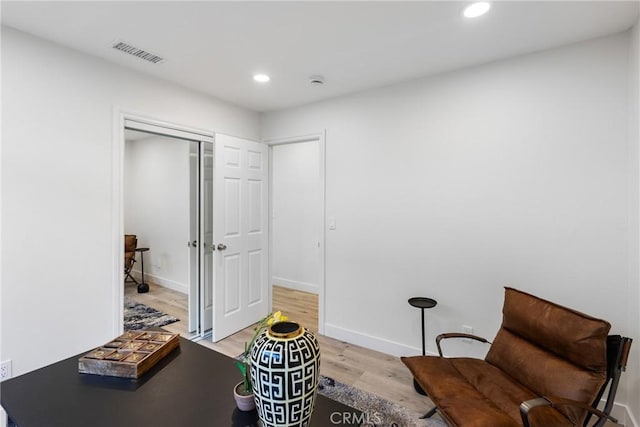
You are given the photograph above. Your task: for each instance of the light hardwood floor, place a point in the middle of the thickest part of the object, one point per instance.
(365, 369)
(166, 300)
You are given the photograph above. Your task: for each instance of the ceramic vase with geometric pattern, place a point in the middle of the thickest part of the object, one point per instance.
(285, 368)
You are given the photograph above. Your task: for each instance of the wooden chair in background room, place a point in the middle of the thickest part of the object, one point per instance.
(130, 245)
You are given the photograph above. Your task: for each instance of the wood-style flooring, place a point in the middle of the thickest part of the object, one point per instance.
(166, 300)
(365, 369)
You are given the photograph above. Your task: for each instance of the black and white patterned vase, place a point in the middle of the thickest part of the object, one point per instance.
(285, 368)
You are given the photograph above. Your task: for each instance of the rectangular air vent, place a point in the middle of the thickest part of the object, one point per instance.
(142, 54)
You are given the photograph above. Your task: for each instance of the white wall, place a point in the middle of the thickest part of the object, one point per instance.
(632, 377)
(157, 209)
(510, 173)
(296, 216)
(57, 131)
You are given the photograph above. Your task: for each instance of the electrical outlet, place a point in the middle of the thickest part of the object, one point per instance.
(467, 330)
(5, 370)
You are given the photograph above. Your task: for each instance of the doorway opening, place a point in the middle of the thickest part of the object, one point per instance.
(165, 201)
(297, 224)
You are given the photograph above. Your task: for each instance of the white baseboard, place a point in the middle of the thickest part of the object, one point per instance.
(382, 345)
(624, 415)
(293, 284)
(167, 283)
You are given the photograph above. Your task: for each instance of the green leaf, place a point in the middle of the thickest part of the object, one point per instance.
(242, 366)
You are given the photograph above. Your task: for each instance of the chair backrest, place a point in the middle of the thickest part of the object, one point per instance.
(130, 245)
(130, 242)
(552, 350)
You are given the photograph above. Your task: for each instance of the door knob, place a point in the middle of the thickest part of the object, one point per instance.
(194, 243)
(222, 247)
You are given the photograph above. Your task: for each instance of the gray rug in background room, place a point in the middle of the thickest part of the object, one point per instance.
(377, 411)
(140, 316)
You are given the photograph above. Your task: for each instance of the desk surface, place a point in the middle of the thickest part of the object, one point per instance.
(191, 387)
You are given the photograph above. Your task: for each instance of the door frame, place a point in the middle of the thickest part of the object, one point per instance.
(320, 137)
(120, 117)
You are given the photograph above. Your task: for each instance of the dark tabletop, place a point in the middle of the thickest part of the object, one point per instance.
(192, 386)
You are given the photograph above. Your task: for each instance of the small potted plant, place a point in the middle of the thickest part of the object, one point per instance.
(243, 391)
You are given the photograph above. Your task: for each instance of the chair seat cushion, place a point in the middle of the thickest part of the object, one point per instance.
(473, 393)
(128, 257)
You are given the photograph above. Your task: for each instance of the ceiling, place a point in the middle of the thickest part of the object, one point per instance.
(216, 47)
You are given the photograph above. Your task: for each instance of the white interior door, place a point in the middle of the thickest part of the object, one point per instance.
(206, 236)
(241, 294)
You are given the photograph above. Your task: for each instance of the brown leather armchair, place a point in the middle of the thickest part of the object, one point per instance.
(130, 245)
(548, 366)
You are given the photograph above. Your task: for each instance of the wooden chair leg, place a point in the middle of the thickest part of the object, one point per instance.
(129, 278)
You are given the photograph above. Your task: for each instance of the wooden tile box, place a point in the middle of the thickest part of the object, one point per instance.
(130, 355)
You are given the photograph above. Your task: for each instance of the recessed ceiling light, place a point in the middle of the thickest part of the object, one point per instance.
(477, 9)
(261, 78)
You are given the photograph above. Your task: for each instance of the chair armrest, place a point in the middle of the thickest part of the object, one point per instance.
(528, 405)
(457, 335)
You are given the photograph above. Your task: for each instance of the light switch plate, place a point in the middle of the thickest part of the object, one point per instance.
(332, 222)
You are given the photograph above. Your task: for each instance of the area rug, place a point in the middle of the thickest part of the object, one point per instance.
(140, 316)
(376, 411)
